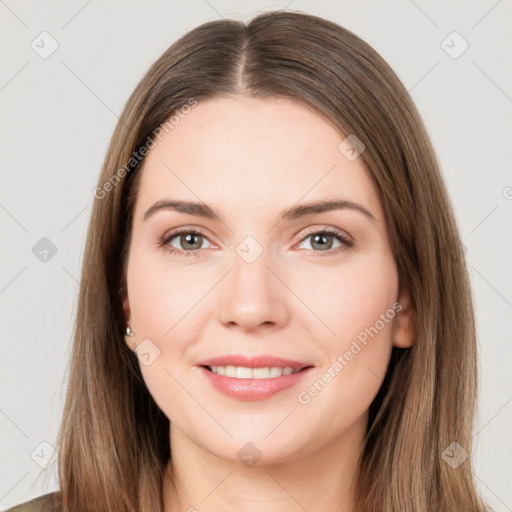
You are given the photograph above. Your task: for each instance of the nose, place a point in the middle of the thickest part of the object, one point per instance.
(253, 297)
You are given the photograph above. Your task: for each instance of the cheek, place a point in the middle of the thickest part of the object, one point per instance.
(160, 310)
(163, 299)
(342, 390)
(165, 305)
(357, 306)
(350, 298)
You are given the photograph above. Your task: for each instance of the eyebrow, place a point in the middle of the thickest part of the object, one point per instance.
(295, 212)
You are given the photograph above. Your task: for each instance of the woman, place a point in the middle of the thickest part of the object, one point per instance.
(275, 309)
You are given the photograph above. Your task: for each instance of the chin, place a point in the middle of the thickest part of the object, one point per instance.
(253, 451)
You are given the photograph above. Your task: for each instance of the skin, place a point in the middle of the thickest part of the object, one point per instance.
(248, 159)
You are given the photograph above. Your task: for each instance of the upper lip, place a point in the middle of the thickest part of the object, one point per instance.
(261, 361)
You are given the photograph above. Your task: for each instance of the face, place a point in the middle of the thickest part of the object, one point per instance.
(232, 283)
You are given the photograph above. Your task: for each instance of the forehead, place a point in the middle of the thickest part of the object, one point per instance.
(253, 152)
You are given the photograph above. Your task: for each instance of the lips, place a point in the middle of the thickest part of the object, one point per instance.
(253, 388)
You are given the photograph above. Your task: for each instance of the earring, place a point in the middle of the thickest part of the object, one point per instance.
(129, 334)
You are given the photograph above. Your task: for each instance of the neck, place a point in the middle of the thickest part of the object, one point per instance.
(322, 478)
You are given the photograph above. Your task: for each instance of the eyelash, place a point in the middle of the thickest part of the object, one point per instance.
(339, 235)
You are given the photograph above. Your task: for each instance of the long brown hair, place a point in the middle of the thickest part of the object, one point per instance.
(114, 440)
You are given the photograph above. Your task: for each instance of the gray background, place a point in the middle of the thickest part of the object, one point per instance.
(57, 116)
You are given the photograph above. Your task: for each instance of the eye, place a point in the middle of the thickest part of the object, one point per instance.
(185, 242)
(324, 240)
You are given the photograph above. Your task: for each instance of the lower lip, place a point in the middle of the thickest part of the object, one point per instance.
(253, 389)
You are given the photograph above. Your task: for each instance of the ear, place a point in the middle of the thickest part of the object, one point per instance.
(403, 332)
(129, 340)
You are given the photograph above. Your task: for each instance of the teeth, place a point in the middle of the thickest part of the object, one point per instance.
(242, 372)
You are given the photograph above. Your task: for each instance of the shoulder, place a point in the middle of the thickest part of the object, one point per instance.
(44, 503)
